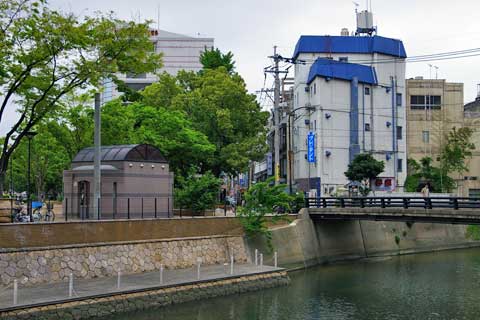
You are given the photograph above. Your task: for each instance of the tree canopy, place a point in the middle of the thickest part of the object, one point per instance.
(214, 58)
(218, 105)
(364, 168)
(46, 54)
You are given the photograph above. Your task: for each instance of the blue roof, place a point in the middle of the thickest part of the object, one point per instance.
(349, 44)
(341, 70)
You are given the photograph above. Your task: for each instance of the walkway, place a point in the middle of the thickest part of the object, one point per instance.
(84, 288)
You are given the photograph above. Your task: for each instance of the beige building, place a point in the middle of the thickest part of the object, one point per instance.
(434, 107)
(471, 183)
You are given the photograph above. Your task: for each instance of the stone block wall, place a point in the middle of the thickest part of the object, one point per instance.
(54, 264)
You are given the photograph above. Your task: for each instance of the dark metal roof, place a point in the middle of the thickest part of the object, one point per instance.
(131, 152)
(473, 106)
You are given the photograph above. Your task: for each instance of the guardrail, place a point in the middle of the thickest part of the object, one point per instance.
(455, 203)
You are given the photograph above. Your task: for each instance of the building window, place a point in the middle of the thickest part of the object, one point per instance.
(367, 91)
(400, 165)
(367, 126)
(474, 193)
(314, 88)
(343, 59)
(422, 102)
(399, 99)
(399, 133)
(426, 136)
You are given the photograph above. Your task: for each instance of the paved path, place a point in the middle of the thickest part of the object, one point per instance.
(90, 287)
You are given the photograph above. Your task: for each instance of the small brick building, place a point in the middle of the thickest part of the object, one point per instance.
(135, 179)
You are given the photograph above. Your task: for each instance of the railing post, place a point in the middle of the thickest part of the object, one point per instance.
(142, 207)
(342, 202)
(156, 207)
(15, 292)
(382, 202)
(128, 208)
(405, 203)
(362, 203)
(429, 203)
(324, 202)
(455, 203)
(99, 209)
(66, 209)
(307, 204)
(70, 285)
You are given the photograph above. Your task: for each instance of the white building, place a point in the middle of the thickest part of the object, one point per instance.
(180, 52)
(351, 91)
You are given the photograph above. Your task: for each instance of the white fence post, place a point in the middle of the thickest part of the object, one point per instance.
(70, 285)
(231, 264)
(15, 292)
(261, 260)
(119, 279)
(199, 263)
(275, 259)
(256, 257)
(161, 274)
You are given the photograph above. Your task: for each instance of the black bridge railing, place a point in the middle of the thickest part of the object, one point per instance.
(394, 202)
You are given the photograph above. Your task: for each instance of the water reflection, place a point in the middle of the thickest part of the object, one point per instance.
(442, 285)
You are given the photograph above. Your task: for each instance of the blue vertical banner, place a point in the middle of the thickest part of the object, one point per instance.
(269, 164)
(311, 147)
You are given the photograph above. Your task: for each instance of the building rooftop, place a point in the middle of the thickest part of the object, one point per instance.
(329, 68)
(131, 152)
(349, 44)
(473, 106)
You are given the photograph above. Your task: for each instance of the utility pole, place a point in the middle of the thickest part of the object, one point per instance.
(276, 113)
(96, 159)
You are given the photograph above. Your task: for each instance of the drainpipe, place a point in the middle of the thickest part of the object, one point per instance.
(354, 147)
(394, 131)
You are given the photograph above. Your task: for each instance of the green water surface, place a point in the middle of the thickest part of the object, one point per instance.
(441, 285)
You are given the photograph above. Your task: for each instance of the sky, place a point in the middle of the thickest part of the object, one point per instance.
(250, 28)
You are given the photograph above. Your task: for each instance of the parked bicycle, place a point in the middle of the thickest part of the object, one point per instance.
(19, 212)
(46, 214)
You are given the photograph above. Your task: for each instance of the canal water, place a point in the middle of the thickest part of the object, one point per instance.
(440, 285)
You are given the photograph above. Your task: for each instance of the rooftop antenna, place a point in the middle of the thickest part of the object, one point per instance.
(436, 72)
(158, 16)
(356, 5)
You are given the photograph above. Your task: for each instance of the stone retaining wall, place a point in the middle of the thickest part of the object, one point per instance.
(92, 308)
(54, 264)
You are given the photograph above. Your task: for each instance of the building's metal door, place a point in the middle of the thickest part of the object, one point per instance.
(84, 199)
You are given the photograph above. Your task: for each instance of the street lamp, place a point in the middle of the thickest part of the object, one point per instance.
(29, 135)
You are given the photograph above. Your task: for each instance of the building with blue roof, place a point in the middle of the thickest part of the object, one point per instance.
(349, 92)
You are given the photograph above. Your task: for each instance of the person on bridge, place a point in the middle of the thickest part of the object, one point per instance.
(426, 191)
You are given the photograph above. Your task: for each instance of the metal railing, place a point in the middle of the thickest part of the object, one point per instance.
(455, 203)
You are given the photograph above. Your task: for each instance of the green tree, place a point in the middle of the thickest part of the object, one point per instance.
(197, 192)
(46, 54)
(423, 172)
(214, 58)
(261, 199)
(218, 105)
(168, 130)
(364, 168)
(457, 149)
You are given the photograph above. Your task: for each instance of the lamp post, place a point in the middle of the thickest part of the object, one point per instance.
(30, 135)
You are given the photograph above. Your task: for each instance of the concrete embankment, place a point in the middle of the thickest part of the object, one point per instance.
(89, 307)
(304, 243)
(42, 256)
